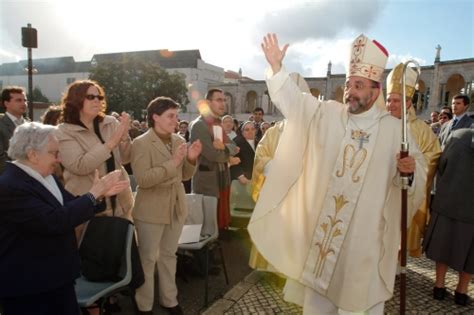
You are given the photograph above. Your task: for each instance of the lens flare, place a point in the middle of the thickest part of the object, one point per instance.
(166, 53)
(203, 108)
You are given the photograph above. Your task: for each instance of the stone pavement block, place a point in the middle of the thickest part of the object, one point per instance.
(238, 291)
(219, 307)
(254, 277)
(264, 296)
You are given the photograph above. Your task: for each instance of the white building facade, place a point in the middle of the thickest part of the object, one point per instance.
(438, 82)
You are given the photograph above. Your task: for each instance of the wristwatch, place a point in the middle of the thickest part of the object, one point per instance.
(92, 199)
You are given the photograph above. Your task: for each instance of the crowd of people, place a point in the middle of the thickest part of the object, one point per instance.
(326, 177)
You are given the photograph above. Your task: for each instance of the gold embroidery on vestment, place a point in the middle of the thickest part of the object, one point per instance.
(352, 160)
(330, 233)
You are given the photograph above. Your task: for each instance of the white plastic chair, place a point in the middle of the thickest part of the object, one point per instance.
(203, 210)
(240, 201)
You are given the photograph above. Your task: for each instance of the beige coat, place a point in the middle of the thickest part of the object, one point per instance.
(160, 191)
(82, 152)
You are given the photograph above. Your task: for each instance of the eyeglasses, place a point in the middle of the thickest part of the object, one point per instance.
(54, 153)
(221, 100)
(91, 97)
(358, 86)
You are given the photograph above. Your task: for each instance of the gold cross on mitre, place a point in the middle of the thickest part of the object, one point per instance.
(360, 136)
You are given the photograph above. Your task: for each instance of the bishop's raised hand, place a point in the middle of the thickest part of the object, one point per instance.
(272, 51)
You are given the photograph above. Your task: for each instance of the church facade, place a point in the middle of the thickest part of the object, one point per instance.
(437, 85)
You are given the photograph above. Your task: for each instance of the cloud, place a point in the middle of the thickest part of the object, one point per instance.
(316, 54)
(227, 39)
(394, 60)
(321, 19)
(10, 55)
(319, 32)
(53, 38)
(309, 58)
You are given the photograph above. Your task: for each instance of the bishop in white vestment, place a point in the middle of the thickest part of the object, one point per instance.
(328, 216)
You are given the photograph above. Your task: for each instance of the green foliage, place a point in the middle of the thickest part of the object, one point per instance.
(38, 96)
(131, 84)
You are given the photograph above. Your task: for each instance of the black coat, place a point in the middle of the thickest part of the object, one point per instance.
(246, 155)
(38, 248)
(455, 178)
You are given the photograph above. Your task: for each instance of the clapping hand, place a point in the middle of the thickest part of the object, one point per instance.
(121, 133)
(124, 118)
(179, 154)
(108, 185)
(234, 160)
(218, 144)
(194, 150)
(124, 125)
(243, 180)
(272, 51)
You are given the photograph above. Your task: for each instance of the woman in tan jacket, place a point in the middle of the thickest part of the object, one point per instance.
(160, 162)
(90, 140)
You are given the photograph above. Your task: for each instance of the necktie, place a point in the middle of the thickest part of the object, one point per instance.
(455, 122)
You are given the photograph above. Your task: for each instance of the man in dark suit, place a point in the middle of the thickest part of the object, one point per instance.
(461, 119)
(14, 102)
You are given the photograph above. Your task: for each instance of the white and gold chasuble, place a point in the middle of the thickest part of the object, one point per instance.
(341, 198)
(328, 215)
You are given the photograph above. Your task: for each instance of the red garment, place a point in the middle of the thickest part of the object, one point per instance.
(223, 209)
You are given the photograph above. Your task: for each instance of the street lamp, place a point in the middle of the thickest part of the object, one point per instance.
(29, 39)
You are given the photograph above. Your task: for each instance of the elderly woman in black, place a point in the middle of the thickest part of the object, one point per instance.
(39, 259)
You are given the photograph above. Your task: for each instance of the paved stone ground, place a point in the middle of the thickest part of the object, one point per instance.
(252, 292)
(236, 249)
(261, 293)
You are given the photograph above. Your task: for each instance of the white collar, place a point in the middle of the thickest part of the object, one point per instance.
(458, 118)
(16, 121)
(252, 143)
(48, 182)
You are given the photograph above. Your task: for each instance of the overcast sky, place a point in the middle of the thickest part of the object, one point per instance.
(228, 33)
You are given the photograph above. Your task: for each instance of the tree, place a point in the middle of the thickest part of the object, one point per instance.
(38, 96)
(131, 84)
